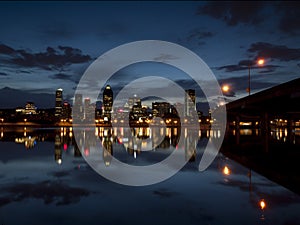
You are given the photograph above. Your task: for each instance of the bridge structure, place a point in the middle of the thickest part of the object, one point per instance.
(271, 119)
(278, 106)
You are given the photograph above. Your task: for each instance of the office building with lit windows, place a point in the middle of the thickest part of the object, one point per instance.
(189, 102)
(107, 103)
(77, 109)
(58, 102)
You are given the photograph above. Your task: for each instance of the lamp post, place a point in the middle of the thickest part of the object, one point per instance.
(259, 62)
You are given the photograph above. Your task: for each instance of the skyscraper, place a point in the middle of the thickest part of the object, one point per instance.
(107, 102)
(58, 102)
(189, 102)
(89, 110)
(78, 108)
(66, 110)
(160, 109)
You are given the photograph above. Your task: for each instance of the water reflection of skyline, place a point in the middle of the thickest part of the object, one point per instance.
(227, 179)
(135, 140)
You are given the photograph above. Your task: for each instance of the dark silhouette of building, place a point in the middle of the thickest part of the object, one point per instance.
(66, 111)
(160, 109)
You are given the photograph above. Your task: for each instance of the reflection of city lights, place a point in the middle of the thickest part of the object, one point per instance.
(226, 171)
(262, 204)
(86, 152)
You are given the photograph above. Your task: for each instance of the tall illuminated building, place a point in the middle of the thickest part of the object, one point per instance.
(159, 109)
(189, 102)
(66, 111)
(107, 102)
(58, 102)
(78, 108)
(89, 110)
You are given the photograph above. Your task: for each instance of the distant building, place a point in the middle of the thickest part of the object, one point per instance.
(107, 103)
(78, 108)
(89, 110)
(159, 109)
(66, 111)
(135, 100)
(30, 108)
(58, 102)
(136, 111)
(189, 102)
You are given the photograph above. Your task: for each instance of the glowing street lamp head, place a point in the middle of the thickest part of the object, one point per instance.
(225, 88)
(260, 62)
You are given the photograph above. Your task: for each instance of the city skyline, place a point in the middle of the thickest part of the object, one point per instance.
(56, 46)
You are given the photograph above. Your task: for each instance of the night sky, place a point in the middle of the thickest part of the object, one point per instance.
(49, 45)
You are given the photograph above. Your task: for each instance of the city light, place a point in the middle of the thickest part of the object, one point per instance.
(262, 204)
(261, 62)
(225, 88)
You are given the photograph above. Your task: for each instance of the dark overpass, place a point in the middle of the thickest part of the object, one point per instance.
(279, 101)
(263, 133)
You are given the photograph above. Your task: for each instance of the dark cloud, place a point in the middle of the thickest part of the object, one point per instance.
(49, 60)
(231, 68)
(240, 83)
(289, 21)
(239, 67)
(61, 76)
(234, 13)
(270, 51)
(3, 74)
(199, 34)
(48, 191)
(23, 71)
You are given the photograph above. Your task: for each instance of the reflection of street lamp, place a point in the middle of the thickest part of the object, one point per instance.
(262, 204)
(259, 62)
(226, 171)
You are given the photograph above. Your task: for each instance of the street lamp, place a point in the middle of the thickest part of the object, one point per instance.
(259, 62)
(225, 88)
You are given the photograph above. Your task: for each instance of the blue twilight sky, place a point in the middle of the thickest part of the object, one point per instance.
(47, 45)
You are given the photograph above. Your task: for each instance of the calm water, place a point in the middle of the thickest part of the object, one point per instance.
(45, 180)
